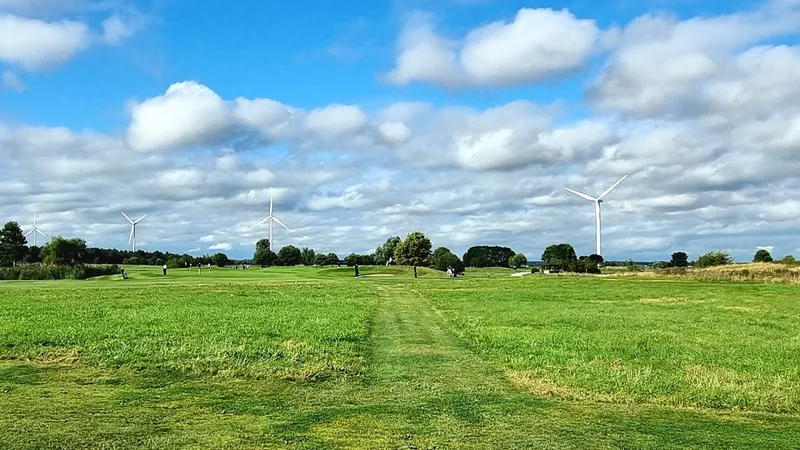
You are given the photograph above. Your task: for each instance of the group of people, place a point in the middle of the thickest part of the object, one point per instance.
(244, 267)
(451, 272)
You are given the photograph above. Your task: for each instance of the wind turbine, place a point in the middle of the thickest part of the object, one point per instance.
(271, 219)
(597, 202)
(132, 238)
(35, 230)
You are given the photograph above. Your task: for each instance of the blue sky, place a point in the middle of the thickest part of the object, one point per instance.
(462, 118)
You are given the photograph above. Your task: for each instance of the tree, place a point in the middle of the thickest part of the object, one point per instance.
(597, 259)
(488, 256)
(351, 260)
(220, 259)
(307, 256)
(33, 255)
(386, 251)
(12, 244)
(562, 256)
(68, 252)
(711, 259)
(788, 259)
(263, 256)
(762, 256)
(331, 259)
(290, 256)
(442, 258)
(587, 264)
(518, 260)
(680, 259)
(414, 250)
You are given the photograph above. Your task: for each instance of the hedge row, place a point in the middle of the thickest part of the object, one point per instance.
(56, 272)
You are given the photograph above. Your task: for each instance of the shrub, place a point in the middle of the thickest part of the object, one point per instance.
(56, 272)
(712, 259)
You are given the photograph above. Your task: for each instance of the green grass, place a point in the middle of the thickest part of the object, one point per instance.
(315, 358)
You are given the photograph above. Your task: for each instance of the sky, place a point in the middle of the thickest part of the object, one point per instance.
(463, 119)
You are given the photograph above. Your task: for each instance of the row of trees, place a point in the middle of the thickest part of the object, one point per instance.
(563, 257)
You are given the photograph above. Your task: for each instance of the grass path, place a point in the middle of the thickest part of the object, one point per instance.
(423, 389)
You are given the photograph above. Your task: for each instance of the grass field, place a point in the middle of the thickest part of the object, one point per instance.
(313, 358)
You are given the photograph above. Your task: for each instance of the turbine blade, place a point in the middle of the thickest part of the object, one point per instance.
(270, 202)
(279, 222)
(612, 187)
(126, 216)
(29, 232)
(140, 219)
(581, 194)
(130, 238)
(261, 221)
(42, 233)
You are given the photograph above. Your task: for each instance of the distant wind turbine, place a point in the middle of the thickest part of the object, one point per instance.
(132, 238)
(271, 219)
(597, 202)
(35, 230)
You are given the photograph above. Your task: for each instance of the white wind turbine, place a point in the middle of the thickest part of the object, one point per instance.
(597, 202)
(271, 219)
(132, 238)
(35, 230)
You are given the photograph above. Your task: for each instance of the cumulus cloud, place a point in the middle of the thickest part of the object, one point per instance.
(538, 44)
(35, 44)
(224, 246)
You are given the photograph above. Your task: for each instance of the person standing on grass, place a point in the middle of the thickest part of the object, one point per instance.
(164, 269)
(356, 266)
(199, 268)
(415, 271)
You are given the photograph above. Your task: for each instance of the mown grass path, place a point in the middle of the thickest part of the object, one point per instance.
(422, 388)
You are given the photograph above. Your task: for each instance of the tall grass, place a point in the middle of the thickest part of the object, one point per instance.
(56, 272)
(757, 272)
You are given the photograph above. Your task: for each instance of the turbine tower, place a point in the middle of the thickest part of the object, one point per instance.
(271, 219)
(132, 238)
(597, 202)
(35, 230)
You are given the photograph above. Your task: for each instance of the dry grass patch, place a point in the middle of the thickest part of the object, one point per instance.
(534, 382)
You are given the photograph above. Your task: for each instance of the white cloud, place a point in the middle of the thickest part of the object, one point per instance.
(35, 44)
(10, 81)
(188, 113)
(538, 44)
(207, 238)
(336, 119)
(115, 29)
(221, 246)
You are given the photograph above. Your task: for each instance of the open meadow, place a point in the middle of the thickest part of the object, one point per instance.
(314, 358)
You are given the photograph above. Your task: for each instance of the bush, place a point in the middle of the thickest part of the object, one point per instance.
(762, 256)
(56, 272)
(712, 259)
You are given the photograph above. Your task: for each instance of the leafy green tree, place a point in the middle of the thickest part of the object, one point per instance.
(220, 259)
(680, 259)
(290, 256)
(561, 255)
(518, 260)
(33, 255)
(331, 259)
(789, 259)
(414, 250)
(762, 256)
(263, 256)
(386, 251)
(711, 259)
(12, 244)
(442, 258)
(351, 260)
(68, 252)
(488, 256)
(307, 256)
